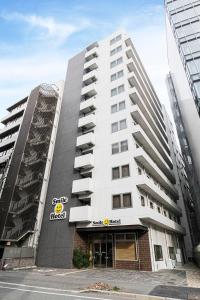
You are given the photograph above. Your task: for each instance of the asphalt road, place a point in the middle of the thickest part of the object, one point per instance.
(56, 284)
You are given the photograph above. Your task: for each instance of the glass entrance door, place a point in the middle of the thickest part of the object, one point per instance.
(102, 251)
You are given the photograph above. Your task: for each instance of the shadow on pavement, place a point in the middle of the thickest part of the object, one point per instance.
(177, 292)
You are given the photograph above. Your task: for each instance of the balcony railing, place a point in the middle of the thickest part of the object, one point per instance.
(87, 122)
(24, 203)
(80, 214)
(84, 161)
(85, 141)
(82, 186)
(88, 105)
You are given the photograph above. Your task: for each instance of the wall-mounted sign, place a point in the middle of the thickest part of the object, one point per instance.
(59, 213)
(106, 222)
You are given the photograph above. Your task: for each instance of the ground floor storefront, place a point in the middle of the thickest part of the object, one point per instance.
(125, 249)
(145, 249)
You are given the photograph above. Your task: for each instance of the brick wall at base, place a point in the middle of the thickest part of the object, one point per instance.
(17, 263)
(80, 241)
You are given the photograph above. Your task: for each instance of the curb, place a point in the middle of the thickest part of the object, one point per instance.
(23, 268)
(134, 296)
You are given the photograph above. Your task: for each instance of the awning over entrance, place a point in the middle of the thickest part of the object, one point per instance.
(112, 228)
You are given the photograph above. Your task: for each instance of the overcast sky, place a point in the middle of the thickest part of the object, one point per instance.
(38, 37)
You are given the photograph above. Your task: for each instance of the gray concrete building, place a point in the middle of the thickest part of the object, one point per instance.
(183, 45)
(25, 158)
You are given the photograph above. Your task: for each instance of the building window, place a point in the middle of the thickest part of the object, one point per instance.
(165, 213)
(121, 201)
(126, 247)
(120, 147)
(117, 75)
(115, 39)
(118, 106)
(127, 200)
(158, 208)
(114, 127)
(122, 124)
(120, 89)
(115, 148)
(139, 171)
(125, 171)
(158, 252)
(118, 126)
(116, 50)
(124, 146)
(122, 105)
(142, 200)
(172, 254)
(120, 172)
(116, 62)
(151, 205)
(115, 173)
(116, 201)
(114, 108)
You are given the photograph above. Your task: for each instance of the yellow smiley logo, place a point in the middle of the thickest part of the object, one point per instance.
(106, 222)
(58, 208)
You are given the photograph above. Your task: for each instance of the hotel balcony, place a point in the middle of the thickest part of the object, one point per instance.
(82, 186)
(85, 141)
(91, 54)
(144, 141)
(137, 99)
(144, 159)
(7, 143)
(139, 118)
(4, 158)
(90, 65)
(88, 91)
(87, 122)
(10, 128)
(90, 77)
(16, 113)
(135, 87)
(88, 105)
(153, 217)
(84, 162)
(80, 214)
(148, 186)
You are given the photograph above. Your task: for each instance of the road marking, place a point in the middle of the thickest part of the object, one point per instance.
(38, 287)
(48, 293)
(71, 272)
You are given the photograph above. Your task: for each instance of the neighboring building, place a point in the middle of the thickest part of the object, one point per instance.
(112, 186)
(186, 202)
(183, 43)
(25, 158)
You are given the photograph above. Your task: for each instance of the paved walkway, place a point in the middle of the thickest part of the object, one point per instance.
(192, 274)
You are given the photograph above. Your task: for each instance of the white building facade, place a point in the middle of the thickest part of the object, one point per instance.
(128, 216)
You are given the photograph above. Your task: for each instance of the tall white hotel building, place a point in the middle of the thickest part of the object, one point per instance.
(112, 162)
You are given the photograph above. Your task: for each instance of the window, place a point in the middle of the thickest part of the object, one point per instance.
(172, 253)
(125, 171)
(118, 126)
(115, 173)
(117, 75)
(158, 252)
(116, 201)
(126, 247)
(118, 106)
(120, 172)
(165, 213)
(116, 39)
(116, 62)
(114, 92)
(114, 108)
(139, 171)
(122, 105)
(151, 205)
(120, 147)
(124, 146)
(120, 89)
(122, 124)
(116, 50)
(158, 208)
(142, 200)
(121, 201)
(114, 127)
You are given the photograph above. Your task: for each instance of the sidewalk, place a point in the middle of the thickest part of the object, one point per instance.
(192, 274)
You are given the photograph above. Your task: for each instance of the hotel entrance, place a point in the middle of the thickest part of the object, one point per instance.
(103, 250)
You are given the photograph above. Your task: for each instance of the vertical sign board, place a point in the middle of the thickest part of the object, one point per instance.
(59, 212)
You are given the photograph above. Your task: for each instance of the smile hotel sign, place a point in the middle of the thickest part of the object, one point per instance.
(59, 212)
